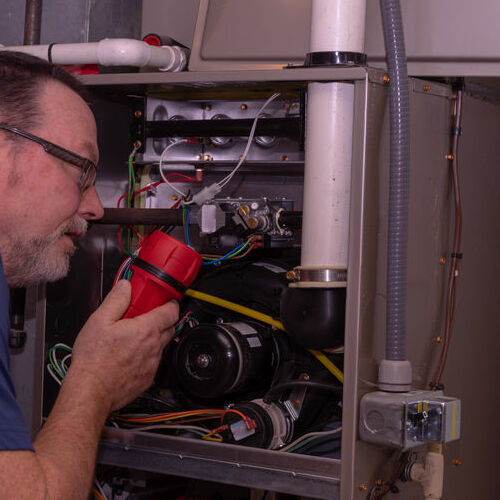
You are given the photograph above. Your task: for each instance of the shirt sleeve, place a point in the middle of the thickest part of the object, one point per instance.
(13, 432)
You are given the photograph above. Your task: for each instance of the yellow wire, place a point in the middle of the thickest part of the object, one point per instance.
(265, 318)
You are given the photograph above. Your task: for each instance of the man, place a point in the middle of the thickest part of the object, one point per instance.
(47, 197)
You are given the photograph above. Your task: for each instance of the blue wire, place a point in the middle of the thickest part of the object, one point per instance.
(223, 257)
(187, 226)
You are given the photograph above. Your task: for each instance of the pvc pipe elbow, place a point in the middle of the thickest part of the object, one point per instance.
(124, 51)
(430, 474)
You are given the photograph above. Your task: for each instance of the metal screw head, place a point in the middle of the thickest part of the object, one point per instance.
(296, 403)
(456, 461)
(438, 339)
(243, 107)
(284, 158)
(426, 88)
(291, 275)
(386, 79)
(175, 197)
(207, 107)
(449, 157)
(207, 158)
(137, 144)
(442, 260)
(362, 487)
(252, 222)
(138, 113)
(379, 482)
(244, 210)
(198, 157)
(295, 106)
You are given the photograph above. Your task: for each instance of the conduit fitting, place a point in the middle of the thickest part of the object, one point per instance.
(312, 308)
(394, 376)
(429, 473)
(110, 52)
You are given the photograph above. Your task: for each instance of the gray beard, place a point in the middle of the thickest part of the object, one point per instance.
(31, 261)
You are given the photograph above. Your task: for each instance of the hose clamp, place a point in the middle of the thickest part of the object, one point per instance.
(318, 275)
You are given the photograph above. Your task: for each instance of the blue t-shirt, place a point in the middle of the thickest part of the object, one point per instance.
(13, 432)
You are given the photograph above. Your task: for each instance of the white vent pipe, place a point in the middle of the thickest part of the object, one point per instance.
(110, 52)
(337, 25)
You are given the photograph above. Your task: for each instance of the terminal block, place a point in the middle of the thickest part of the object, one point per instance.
(410, 419)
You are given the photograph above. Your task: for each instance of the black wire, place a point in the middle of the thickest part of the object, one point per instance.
(300, 383)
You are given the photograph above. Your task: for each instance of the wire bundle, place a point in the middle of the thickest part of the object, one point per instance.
(56, 367)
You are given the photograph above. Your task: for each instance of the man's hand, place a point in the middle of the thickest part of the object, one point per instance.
(120, 357)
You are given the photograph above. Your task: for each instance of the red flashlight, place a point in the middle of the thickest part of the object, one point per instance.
(163, 271)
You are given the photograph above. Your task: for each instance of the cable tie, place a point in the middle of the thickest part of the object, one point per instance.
(456, 130)
(457, 255)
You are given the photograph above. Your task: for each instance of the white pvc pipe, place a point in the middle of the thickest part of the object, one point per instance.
(111, 52)
(337, 25)
(327, 178)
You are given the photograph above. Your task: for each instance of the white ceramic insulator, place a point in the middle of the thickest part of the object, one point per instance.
(111, 52)
(338, 25)
(327, 176)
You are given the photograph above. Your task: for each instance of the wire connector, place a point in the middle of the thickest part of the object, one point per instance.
(206, 194)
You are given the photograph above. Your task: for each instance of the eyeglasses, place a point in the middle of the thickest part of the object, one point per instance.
(88, 167)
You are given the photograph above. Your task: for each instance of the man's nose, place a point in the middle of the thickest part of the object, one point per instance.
(91, 206)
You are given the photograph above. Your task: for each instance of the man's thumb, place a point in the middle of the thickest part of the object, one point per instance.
(117, 301)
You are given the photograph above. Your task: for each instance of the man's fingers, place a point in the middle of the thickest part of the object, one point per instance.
(163, 316)
(117, 301)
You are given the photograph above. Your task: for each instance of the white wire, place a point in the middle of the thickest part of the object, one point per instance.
(53, 375)
(311, 434)
(226, 179)
(99, 489)
(63, 362)
(161, 167)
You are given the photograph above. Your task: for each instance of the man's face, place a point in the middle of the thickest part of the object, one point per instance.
(41, 209)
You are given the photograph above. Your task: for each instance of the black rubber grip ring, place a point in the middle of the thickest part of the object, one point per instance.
(49, 52)
(161, 275)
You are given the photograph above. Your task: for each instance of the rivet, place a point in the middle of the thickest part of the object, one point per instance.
(138, 113)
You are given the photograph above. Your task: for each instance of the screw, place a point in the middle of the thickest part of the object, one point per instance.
(456, 461)
(284, 158)
(207, 158)
(198, 157)
(362, 487)
(295, 106)
(175, 197)
(207, 107)
(442, 260)
(243, 107)
(304, 376)
(379, 482)
(438, 339)
(244, 210)
(296, 403)
(291, 275)
(427, 88)
(137, 144)
(252, 223)
(386, 79)
(449, 157)
(138, 113)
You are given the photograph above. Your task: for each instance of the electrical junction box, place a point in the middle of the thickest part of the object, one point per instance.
(410, 419)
